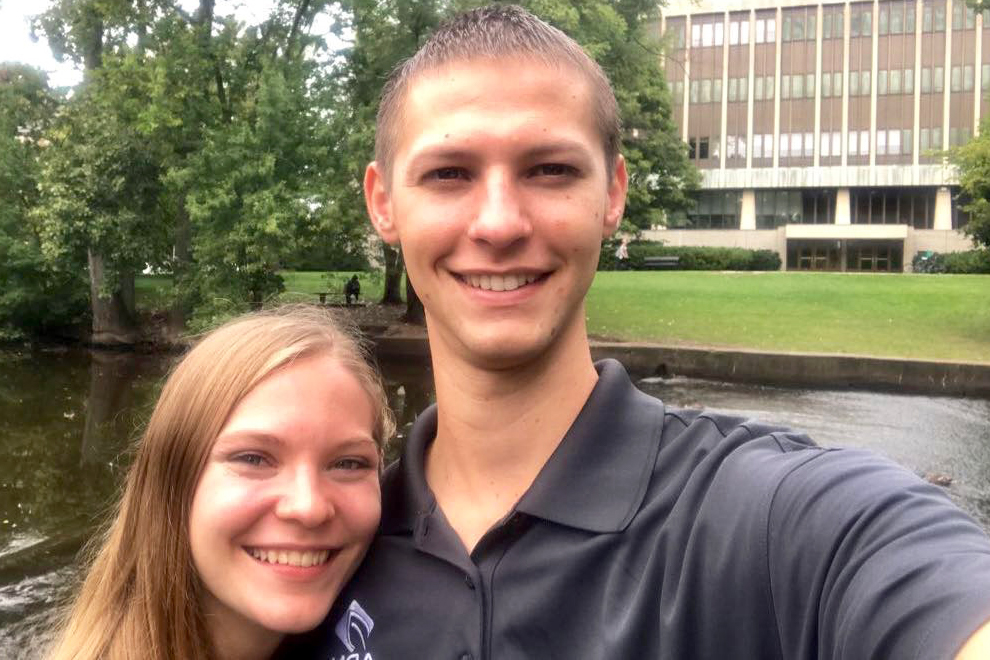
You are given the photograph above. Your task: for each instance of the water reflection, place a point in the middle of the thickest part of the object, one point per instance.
(67, 418)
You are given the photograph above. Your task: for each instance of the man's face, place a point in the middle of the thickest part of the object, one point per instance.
(500, 198)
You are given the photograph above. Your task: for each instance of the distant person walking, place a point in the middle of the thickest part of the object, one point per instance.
(622, 254)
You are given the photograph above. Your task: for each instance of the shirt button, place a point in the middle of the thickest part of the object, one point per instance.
(470, 584)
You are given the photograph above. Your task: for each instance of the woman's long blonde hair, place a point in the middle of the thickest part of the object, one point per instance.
(141, 598)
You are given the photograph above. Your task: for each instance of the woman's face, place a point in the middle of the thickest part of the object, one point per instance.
(287, 503)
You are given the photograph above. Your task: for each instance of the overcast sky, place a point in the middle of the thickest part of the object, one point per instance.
(16, 44)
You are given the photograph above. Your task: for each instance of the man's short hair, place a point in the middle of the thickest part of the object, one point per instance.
(495, 32)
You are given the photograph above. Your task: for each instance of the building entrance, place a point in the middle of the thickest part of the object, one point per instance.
(880, 256)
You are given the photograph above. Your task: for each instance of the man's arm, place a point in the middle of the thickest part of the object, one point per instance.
(978, 646)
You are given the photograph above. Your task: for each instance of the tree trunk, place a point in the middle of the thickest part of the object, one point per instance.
(415, 313)
(113, 316)
(182, 257)
(111, 375)
(393, 276)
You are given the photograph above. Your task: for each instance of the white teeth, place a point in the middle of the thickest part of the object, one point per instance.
(508, 282)
(291, 557)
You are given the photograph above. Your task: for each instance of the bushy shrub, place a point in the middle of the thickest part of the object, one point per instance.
(956, 263)
(698, 258)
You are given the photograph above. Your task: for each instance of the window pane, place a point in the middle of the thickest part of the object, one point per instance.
(926, 19)
(985, 78)
(732, 89)
(938, 79)
(853, 83)
(895, 82)
(785, 87)
(809, 145)
(706, 91)
(757, 146)
(926, 81)
(810, 32)
(853, 149)
(854, 25)
(768, 146)
(707, 34)
(760, 30)
(758, 88)
(733, 33)
(906, 141)
(809, 85)
(772, 29)
(881, 143)
(744, 32)
(826, 143)
(694, 91)
(797, 86)
(864, 82)
(785, 29)
(826, 84)
(867, 23)
(785, 142)
(695, 36)
(924, 140)
(937, 138)
(896, 19)
(940, 19)
(797, 28)
(864, 143)
(909, 81)
(826, 26)
(743, 88)
(837, 83)
(894, 143)
(968, 78)
(881, 82)
(768, 88)
(909, 18)
(882, 20)
(718, 33)
(836, 144)
(717, 91)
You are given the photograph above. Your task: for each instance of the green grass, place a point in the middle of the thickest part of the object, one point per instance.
(942, 317)
(932, 317)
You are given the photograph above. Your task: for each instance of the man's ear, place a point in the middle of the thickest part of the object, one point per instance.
(379, 203)
(617, 187)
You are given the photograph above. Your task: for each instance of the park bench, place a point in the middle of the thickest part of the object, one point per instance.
(661, 263)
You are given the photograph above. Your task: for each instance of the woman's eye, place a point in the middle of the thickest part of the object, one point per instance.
(351, 464)
(255, 460)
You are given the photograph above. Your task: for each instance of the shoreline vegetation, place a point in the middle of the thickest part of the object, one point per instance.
(920, 317)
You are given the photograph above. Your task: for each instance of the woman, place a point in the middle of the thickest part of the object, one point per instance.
(252, 498)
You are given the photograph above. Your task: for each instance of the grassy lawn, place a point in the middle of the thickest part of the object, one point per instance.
(935, 317)
(943, 317)
(151, 291)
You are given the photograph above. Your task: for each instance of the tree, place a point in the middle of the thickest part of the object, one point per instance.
(973, 161)
(37, 296)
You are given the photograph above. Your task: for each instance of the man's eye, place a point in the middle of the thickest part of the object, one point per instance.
(552, 169)
(449, 173)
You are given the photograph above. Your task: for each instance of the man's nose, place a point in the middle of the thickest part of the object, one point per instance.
(304, 499)
(501, 218)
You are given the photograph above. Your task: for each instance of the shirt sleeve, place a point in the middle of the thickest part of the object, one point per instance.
(866, 560)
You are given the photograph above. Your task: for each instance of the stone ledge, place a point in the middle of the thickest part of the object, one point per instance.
(792, 369)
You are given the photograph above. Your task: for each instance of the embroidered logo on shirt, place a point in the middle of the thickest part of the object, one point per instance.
(354, 628)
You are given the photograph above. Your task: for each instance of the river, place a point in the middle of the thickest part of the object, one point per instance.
(68, 416)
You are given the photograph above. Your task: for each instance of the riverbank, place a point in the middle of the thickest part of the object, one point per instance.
(816, 370)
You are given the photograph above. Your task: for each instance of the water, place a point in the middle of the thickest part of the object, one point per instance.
(67, 419)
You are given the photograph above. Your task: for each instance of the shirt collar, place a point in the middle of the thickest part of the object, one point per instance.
(595, 480)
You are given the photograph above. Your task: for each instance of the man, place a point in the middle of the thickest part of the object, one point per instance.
(547, 509)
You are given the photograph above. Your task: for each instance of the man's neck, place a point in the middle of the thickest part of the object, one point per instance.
(496, 429)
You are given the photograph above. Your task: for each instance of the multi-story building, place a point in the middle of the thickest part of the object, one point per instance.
(819, 129)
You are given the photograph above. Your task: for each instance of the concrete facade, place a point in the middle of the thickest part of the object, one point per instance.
(820, 128)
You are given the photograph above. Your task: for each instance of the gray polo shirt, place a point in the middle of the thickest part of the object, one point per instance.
(654, 533)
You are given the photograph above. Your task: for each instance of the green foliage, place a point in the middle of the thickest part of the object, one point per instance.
(973, 161)
(970, 262)
(704, 258)
(36, 296)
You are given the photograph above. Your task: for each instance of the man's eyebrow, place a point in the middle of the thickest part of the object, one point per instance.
(541, 150)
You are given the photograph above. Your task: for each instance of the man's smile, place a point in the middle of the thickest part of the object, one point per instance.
(500, 282)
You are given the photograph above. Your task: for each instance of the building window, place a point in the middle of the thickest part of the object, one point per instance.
(707, 35)
(883, 19)
(696, 36)
(734, 33)
(703, 148)
(938, 80)
(940, 18)
(775, 208)
(785, 87)
(826, 85)
(909, 81)
(735, 147)
(897, 18)
(797, 89)
(719, 27)
(758, 88)
(985, 78)
(881, 143)
(926, 81)
(733, 90)
(694, 91)
(881, 82)
(715, 209)
(895, 82)
(906, 143)
(956, 80)
(717, 90)
(968, 78)
(893, 206)
(706, 91)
